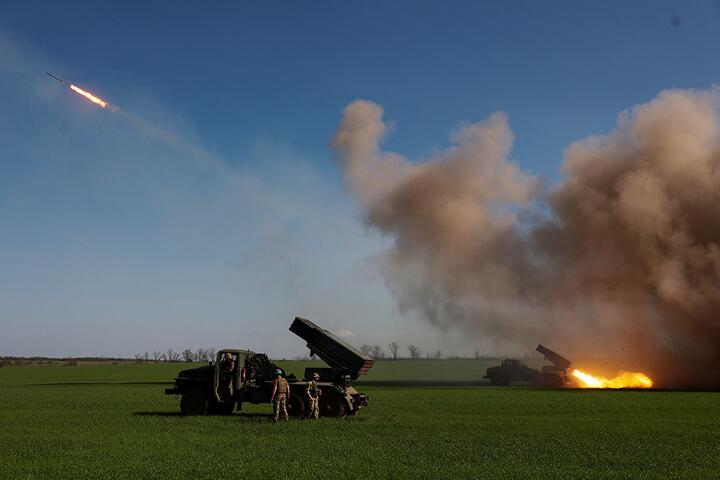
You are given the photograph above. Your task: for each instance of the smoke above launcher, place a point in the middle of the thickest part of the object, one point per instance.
(618, 263)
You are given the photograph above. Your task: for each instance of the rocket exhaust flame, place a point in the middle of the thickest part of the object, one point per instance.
(621, 380)
(89, 96)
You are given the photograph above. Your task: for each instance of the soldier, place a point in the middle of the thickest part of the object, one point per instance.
(313, 393)
(226, 371)
(280, 393)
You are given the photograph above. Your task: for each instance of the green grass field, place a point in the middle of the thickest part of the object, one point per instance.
(109, 421)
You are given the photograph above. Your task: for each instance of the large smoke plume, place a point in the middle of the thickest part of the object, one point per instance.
(622, 258)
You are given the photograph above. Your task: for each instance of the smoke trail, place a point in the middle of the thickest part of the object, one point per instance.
(169, 137)
(625, 261)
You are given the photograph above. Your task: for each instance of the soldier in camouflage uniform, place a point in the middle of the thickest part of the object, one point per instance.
(280, 394)
(226, 372)
(313, 394)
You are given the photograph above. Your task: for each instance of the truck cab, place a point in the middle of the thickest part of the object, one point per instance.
(212, 388)
(509, 371)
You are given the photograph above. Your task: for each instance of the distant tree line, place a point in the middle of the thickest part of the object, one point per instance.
(394, 351)
(170, 355)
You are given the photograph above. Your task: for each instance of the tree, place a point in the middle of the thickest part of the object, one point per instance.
(377, 352)
(438, 355)
(202, 355)
(157, 356)
(477, 354)
(211, 354)
(414, 352)
(139, 357)
(187, 355)
(172, 356)
(394, 349)
(366, 349)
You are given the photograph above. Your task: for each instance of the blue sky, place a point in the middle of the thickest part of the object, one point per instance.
(114, 242)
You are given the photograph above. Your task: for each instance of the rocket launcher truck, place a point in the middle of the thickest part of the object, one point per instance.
(238, 376)
(512, 370)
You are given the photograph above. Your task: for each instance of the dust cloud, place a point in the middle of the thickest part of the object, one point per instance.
(620, 260)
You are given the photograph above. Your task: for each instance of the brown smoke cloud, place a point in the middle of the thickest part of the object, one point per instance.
(622, 258)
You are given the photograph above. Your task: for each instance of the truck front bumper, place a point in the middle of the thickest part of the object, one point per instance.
(361, 400)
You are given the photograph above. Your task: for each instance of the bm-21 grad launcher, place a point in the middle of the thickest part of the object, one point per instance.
(239, 376)
(512, 370)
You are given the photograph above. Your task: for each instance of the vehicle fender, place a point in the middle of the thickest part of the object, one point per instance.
(344, 395)
(183, 385)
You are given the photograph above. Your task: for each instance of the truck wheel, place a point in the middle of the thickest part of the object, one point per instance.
(332, 406)
(554, 381)
(499, 381)
(295, 406)
(548, 380)
(194, 402)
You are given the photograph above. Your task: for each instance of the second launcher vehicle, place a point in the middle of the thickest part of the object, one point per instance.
(511, 371)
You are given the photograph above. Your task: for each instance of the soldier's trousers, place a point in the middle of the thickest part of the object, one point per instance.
(280, 406)
(313, 408)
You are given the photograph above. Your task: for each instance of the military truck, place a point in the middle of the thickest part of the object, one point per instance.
(512, 370)
(218, 389)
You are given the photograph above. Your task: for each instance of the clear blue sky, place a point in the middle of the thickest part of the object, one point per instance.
(113, 242)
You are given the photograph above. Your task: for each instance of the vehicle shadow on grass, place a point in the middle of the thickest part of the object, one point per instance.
(263, 416)
(158, 414)
(81, 384)
(247, 417)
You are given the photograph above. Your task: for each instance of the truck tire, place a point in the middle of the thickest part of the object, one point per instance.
(554, 381)
(296, 406)
(548, 380)
(194, 402)
(332, 406)
(499, 381)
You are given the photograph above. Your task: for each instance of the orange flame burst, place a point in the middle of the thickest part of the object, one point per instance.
(621, 380)
(89, 96)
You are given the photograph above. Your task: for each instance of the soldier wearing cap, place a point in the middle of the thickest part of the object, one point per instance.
(280, 393)
(313, 394)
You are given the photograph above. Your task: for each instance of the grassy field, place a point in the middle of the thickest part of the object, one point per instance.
(111, 421)
(400, 370)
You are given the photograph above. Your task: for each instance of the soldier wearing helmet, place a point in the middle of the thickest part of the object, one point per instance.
(280, 394)
(313, 393)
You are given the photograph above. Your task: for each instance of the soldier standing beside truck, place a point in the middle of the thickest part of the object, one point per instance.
(313, 393)
(226, 374)
(280, 393)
